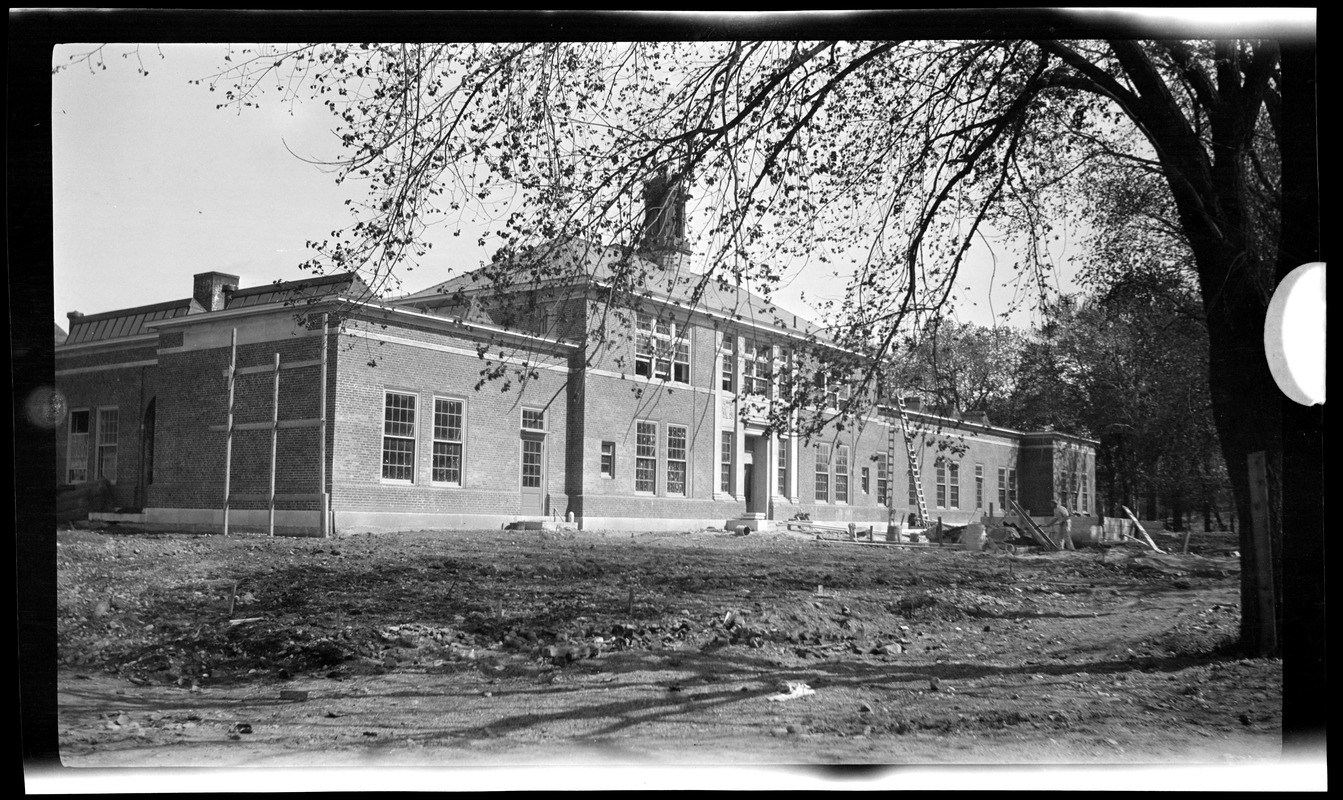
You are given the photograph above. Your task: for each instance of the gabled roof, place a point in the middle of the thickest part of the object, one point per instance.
(578, 264)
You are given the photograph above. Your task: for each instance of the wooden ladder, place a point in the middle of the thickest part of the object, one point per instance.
(912, 456)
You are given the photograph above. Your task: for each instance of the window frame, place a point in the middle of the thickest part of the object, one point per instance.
(756, 365)
(673, 461)
(522, 423)
(727, 376)
(953, 484)
(883, 478)
(460, 442)
(645, 456)
(781, 466)
(822, 482)
(840, 470)
(413, 436)
(606, 465)
(662, 348)
(727, 451)
(940, 484)
(101, 448)
(979, 486)
(86, 437)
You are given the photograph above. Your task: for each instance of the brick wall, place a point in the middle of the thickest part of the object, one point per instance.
(98, 378)
(368, 368)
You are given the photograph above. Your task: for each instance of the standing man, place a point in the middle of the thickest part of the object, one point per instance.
(1062, 525)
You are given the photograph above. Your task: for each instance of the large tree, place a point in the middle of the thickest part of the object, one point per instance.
(884, 158)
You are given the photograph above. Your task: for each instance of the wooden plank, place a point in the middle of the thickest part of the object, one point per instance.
(1141, 529)
(312, 362)
(1031, 528)
(265, 426)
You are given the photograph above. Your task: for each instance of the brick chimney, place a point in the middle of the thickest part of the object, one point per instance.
(209, 288)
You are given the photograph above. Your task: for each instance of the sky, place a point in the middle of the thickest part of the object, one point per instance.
(153, 184)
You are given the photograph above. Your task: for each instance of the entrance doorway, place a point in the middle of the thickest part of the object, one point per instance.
(533, 475)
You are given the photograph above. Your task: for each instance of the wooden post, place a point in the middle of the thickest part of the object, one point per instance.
(228, 423)
(1263, 552)
(1141, 530)
(274, 441)
(324, 523)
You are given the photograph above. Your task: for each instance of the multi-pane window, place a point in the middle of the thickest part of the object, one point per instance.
(645, 457)
(822, 473)
(533, 419)
(782, 464)
(755, 368)
(979, 486)
(398, 437)
(913, 490)
(1007, 486)
(662, 349)
(954, 485)
(608, 459)
(883, 479)
(725, 462)
(729, 375)
(447, 464)
(676, 461)
(77, 448)
(842, 474)
(1086, 497)
(107, 443)
(532, 450)
(941, 490)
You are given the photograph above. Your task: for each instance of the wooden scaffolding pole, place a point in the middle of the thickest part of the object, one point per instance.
(274, 441)
(228, 422)
(324, 521)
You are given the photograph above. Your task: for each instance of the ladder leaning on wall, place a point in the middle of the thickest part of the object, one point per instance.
(911, 455)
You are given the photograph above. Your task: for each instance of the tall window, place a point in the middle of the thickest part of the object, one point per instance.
(662, 349)
(883, 480)
(676, 463)
(1012, 483)
(822, 473)
(1007, 486)
(725, 462)
(979, 486)
(866, 480)
(398, 437)
(913, 490)
(447, 465)
(729, 375)
(755, 368)
(1086, 497)
(77, 448)
(954, 485)
(107, 444)
(782, 464)
(646, 457)
(842, 474)
(941, 491)
(608, 459)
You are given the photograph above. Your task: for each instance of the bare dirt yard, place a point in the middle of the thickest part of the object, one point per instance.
(531, 647)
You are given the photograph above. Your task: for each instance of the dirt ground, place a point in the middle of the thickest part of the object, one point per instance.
(530, 647)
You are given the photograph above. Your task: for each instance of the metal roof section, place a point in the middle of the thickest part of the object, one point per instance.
(301, 292)
(125, 323)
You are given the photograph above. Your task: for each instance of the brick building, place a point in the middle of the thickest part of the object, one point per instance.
(474, 405)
